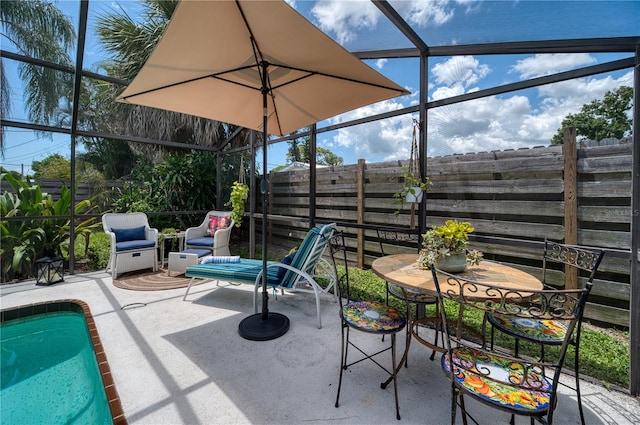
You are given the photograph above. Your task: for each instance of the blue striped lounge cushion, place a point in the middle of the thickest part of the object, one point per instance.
(305, 250)
(245, 271)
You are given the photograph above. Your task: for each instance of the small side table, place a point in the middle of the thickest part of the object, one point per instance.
(163, 237)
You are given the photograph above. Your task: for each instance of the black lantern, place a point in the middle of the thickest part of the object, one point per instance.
(49, 270)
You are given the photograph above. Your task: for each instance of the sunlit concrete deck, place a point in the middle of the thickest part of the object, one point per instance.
(177, 362)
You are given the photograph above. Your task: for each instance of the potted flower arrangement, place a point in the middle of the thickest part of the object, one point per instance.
(446, 247)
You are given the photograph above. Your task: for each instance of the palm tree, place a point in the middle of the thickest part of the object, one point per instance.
(40, 30)
(131, 42)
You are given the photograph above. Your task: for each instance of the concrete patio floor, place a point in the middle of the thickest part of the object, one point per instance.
(177, 362)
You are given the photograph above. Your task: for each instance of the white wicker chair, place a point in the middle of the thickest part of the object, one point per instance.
(133, 243)
(197, 238)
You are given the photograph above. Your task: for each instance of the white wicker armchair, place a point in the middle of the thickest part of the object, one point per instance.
(133, 243)
(198, 238)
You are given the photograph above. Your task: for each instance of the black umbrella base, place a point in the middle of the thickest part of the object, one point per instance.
(257, 329)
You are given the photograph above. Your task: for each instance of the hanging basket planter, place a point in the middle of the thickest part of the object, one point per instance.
(414, 184)
(414, 195)
(238, 197)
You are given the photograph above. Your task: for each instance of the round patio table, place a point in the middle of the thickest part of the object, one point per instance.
(403, 270)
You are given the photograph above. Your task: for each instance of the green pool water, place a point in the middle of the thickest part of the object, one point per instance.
(49, 373)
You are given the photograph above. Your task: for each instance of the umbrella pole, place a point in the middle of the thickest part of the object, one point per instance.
(265, 325)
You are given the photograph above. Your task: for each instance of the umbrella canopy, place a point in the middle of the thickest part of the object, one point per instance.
(260, 65)
(211, 56)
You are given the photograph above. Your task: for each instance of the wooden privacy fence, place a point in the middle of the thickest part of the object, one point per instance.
(514, 199)
(84, 190)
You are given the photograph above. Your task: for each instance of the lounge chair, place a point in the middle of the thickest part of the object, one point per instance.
(297, 272)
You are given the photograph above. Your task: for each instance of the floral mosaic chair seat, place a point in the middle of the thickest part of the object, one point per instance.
(497, 377)
(367, 317)
(551, 330)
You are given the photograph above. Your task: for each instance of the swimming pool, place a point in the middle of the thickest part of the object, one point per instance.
(53, 367)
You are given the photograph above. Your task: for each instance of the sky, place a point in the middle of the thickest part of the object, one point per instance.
(516, 120)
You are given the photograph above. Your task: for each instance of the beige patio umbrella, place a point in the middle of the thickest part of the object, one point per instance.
(259, 65)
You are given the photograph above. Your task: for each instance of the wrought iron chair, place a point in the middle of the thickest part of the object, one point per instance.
(497, 377)
(368, 317)
(414, 301)
(551, 331)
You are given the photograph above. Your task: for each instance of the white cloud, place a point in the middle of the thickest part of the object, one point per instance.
(424, 13)
(381, 62)
(567, 97)
(480, 125)
(465, 70)
(575, 93)
(510, 121)
(446, 92)
(384, 140)
(345, 18)
(547, 64)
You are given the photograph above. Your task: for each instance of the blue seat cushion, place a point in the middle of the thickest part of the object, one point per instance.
(199, 252)
(129, 234)
(204, 241)
(244, 271)
(137, 244)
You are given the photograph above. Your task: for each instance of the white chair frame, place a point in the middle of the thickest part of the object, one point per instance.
(221, 238)
(133, 259)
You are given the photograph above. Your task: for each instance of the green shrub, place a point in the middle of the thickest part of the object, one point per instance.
(97, 253)
(22, 240)
(169, 186)
(26, 240)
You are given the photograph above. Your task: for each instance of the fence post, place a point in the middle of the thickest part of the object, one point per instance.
(360, 212)
(570, 153)
(634, 297)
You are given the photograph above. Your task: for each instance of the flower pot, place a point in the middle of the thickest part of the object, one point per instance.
(415, 196)
(454, 263)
